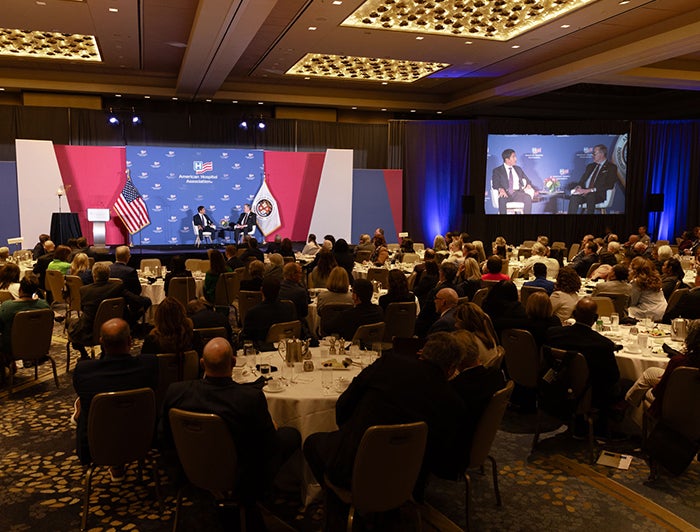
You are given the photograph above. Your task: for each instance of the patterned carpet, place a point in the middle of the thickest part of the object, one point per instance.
(552, 488)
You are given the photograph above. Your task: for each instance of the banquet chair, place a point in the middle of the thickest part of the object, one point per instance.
(206, 236)
(593, 267)
(175, 367)
(679, 409)
(108, 309)
(411, 281)
(287, 329)
(73, 284)
(5, 295)
(208, 456)
(363, 255)
(247, 299)
(575, 397)
(481, 443)
(385, 471)
(242, 273)
(204, 265)
(201, 337)
(410, 258)
(184, 289)
(479, 296)
(620, 301)
(573, 250)
(193, 265)
(399, 320)
(605, 305)
(393, 247)
(368, 334)
(227, 287)
(55, 283)
(120, 431)
(525, 292)
(30, 339)
(419, 246)
(675, 297)
(328, 313)
(379, 274)
(151, 264)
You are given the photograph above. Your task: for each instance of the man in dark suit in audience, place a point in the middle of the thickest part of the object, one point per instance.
(42, 263)
(115, 371)
(582, 263)
(232, 259)
(364, 312)
(540, 281)
(121, 270)
(204, 317)
(428, 313)
(395, 390)
(688, 307)
(598, 177)
(260, 318)
(291, 289)
(262, 448)
(445, 305)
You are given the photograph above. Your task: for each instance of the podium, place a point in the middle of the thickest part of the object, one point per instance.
(64, 225)
(98, 217)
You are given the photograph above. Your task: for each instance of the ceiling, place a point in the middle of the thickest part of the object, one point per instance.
(240, 50)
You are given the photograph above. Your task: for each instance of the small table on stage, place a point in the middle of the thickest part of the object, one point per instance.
(64, 225)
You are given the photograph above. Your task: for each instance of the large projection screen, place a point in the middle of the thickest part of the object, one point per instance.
(548, 168)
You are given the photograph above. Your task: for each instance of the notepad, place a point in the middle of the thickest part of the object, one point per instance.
(620, 461)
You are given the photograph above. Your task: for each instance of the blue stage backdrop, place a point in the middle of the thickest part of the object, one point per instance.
(554, 163)
(175, 181)
(9, 214)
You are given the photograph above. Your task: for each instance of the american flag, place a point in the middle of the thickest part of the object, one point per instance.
(131, 208)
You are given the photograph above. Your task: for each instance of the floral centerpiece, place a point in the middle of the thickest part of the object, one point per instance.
(552, 184)
(224, 223)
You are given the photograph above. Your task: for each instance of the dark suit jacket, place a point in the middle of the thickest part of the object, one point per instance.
(475, 386)
(604, 181)
(541, 282)
(347, 322)
(259, 319)
(108, 374)
(243, 409)
(127, 274)
(599, 353)
(687, 307)
(203, 220)
(250, 222)
(428, 315)
(40, 267)
(583, 264)
(398, 390)
(499, 178)
(446, 322)
(297, 294)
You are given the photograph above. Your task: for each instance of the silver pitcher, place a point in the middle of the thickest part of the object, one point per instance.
(296, 350)
(679, 329)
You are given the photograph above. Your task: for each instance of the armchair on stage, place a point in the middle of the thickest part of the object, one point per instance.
(206, 235)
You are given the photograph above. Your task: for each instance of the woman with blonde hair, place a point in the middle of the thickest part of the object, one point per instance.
(337, 289)
(647, 299)
(470, 275)
(470, 317)
(540, 316)
(439, 243)
(80, 266)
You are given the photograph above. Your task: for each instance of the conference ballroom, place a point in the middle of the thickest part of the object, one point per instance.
(350, 264)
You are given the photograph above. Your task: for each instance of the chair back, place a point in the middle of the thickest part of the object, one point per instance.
(488, 425)
(206, 450)
(31, 334)
(368, 334)
(247, 299)
(387, 465)
(287, 329)
(605, 305)
(73, 284)
(620, 302)
(121, 426)
(419, 246)
(522, 357)
(675, 297)
(399, 320)
(184, 289)
(204, 265)
(330, 311)
(525, 292)
(55, 284)
(108, 309)
(379, 274)
(193, 265)
(407, 347)
(5, 295)
(174, 367)
(227, 287)
(682, 401)
(591, 269)
(200, 337)
(242, 272)
(479, 296)
(152, 264)
(410, 258)
(577, 376)
(573, 250)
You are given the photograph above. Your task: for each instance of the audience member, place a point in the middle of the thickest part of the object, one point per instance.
(615, 283)
(364, 312)
(469, 275)
(203, 316)
(172, 332)
(80, 266)
(217, 267)
(311, 247)
(271, 310)
(583, 262)
(688, 307)
(541, 281)
(647, 299)
(446, 301)
(343, 256)
(565, 295)
(60, 260)
(252, 251)
(177, 269)
(28, 300)
(233, 261)
(470, 317)
(39, 248)
(494, 266)
(540, 316)
(502, 306)
(337, 290)
(256, 270)
(428, 314)
(9, 279)
(121, 270)
(326, 262)
(42, 263)
(672, 275)
(398, 291)
(293, 290)
(286, 249)
(274, 268)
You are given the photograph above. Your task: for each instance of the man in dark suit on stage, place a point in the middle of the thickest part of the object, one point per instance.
(202, 221)
(512, 183)
(115, 371)
(121, 270)
(246, 222)
(261, 448)
(599, 177)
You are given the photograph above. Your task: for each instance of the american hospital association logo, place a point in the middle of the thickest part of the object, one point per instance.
(201, 167)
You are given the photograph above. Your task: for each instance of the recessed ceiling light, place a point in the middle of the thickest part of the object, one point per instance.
(565, 26)
(261, 103)
(208, 100)
(118, 95)
(439, 112)
(420, 38)
(114, 10)
(174, 98)
(234, 101)
(312, 28)
(354, 106)
(2, 89)
(468, 42)
(623, 2)
(515, 46)
(40, 3)
(413, 110)
(383, 108)
(337, 2)
(147, 97)
(307, 77)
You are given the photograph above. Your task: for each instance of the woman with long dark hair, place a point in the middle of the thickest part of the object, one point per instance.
(217, 267)
(173, 329)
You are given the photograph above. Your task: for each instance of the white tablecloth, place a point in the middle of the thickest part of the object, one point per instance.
(632, 365)
(156, 291)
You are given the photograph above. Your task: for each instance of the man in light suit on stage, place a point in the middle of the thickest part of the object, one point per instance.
(202, 221)
(597, 179)
(246, 222)
(512, 183)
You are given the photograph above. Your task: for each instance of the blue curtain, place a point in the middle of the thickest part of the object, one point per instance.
(668, 156)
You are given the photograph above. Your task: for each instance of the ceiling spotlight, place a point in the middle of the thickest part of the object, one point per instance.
(113, 120)
(261, 125)
(243, 125)
(135, 120)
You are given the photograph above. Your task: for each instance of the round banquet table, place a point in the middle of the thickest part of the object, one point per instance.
(632, 365)
(156, 292)
(304, 404)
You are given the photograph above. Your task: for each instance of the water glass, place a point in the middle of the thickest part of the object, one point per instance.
(327, 381)
(643, 340)
(614, 321)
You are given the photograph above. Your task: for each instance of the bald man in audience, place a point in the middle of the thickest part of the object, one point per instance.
(446, 301)
(121, 270)
(261, 447)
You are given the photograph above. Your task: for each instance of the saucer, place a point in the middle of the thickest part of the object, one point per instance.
(274, 388)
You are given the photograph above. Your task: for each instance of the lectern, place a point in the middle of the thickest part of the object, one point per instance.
(98, 217)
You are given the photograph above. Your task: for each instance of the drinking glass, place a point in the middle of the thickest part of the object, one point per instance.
(327, 380)
(643, 340)
(614, 321)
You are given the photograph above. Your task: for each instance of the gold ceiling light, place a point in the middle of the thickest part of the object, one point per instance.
(363, 68)
(489, 19)
(48, 45)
